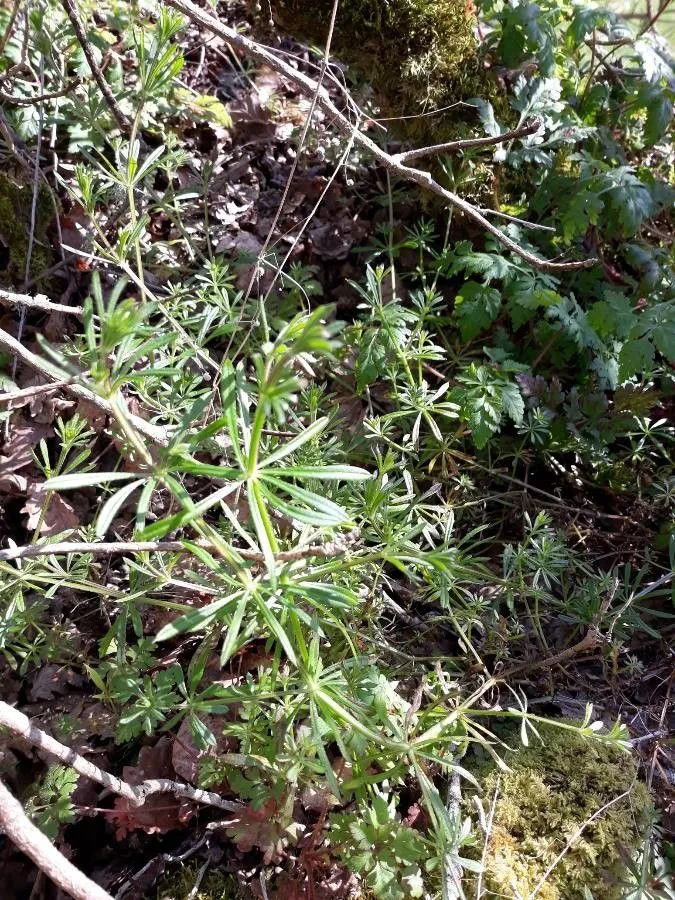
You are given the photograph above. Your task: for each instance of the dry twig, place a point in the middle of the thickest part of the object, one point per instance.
(39, 302)
(450, 146)
(21, 725)
(71, 9)
(40, 98)
(30, 840)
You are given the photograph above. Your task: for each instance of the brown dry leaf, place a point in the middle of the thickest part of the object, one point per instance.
(23, 437)
(160, 812)
(187, 758)
(13, 484)
(52, 681)
(318, 799)
(334, 884)
(95, 417)
(60, 515)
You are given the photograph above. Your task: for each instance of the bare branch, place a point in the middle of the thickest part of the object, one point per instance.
(40, 98)
(310, 88)
(336, 547)
(451, 146)
(525, 224)
(122, 121)
(20, 724)
(39, 302)
(154, 433)
(30, 840)
(25, 394)
(10, 25)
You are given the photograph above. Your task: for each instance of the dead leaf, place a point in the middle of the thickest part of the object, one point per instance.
(52, 681)
(13, 484)
(317, 799)
(261, 828)
(23, 437)
(60, 515)
(187, 758)
(160, 812)
(93, 414)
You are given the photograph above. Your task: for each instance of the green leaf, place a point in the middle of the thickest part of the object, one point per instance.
(314, 508)
(582, 210)
(233, 629)
(113, 505)
(512, 403)
(635, 357)
(205, 108)
(664, 338)
(277, 630)
(180, 519)
(323, 473)
(476, 308)
(312, 431)
(261, 523)
(86, 479)
(196, 619)
(657, 100)
(628, 202)
(614, 315)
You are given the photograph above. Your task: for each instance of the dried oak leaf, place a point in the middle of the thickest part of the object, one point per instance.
(160, 812)
(60, 515)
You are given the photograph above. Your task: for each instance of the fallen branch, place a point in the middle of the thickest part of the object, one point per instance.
(21, 725)
(40, 98)
(118, 548)
(154, 433)
(122, 121)
(39, 302)
(25, 394)
(30, 840)
(309, 87)
(450, 146)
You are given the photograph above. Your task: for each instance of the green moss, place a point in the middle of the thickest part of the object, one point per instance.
(418, 55)
(180, 882)
(16, 199)
(551, 792)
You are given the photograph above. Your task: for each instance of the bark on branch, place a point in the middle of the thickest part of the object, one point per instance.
(27, 838)
(20, 724)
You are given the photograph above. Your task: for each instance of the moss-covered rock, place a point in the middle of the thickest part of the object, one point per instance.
(551, 791)
(418, 55)
(16, 198)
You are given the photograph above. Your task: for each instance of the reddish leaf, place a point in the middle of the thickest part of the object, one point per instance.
(160, 812)
(261, 828)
